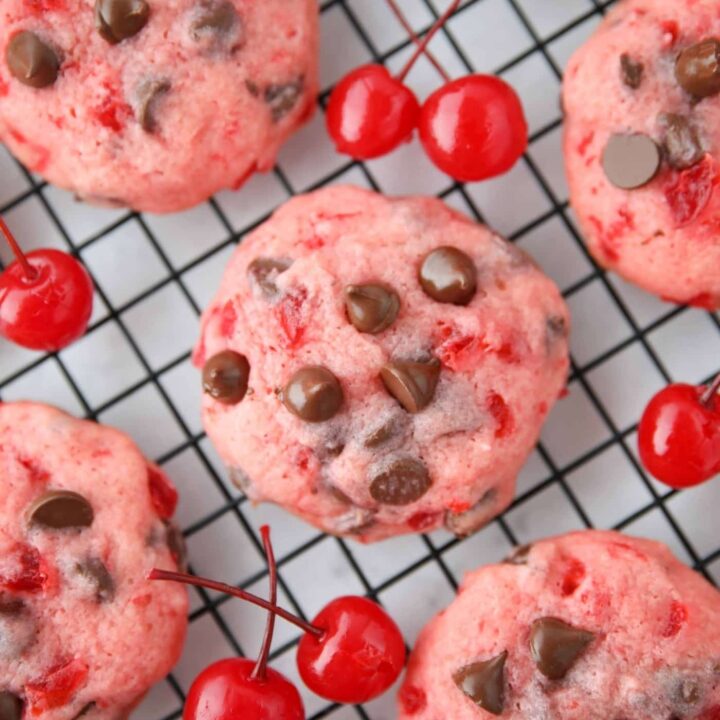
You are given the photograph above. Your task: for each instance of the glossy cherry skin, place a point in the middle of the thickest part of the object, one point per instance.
(226, 691)
(474, 128)
(51, 310)
(370, 113)
(679, 437)
(359, 657)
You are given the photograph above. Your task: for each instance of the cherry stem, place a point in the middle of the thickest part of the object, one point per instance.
(30, 271)
(259, 673)
(186, 579)
(426, 40)
(710, 392)
(409, 30)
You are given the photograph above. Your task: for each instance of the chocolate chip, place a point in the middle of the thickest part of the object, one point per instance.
(86, 710)
(281, 99)
(11, 706)
(264, 271)
(631, 71)
(381, 435)
(371, 308)
(240, 479)
(681, 144)
(11, 607)
(225, 377)
(59, 509)
(356, 520)
(697, 68)
(689, 692)
(484, 683)
(402, 482)
(519, 556)
(631, 161)
(176, 545)
(118, 20)
(412, 384)
(95, 571)
(31, 61)
(215, 17)
(469, 522)
(148, 94)
(313, 394)
(555, 646)
(448, 275)
(556, 329)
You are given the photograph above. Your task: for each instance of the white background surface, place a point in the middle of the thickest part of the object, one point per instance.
(154, 274)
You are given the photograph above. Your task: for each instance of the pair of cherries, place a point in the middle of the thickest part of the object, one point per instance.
(472, 128)
(351, 653)
(679, 434)
(45, 298)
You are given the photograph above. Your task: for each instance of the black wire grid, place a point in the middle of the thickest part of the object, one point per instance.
(580, 484)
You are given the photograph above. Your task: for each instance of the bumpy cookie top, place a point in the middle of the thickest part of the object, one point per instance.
(154, 104)
(642, 145)
(398, 359)
(84, 517)
(590, 625)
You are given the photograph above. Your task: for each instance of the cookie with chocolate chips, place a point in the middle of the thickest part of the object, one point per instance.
(150, 104)
(597, 625)
(80, 505)
(390, 345)
(642, 146)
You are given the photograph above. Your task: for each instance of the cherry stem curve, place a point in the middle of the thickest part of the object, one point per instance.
(409, 30)
(30, 272)
(156, 574)
(421, 48)
(259, 672)
(712, 390)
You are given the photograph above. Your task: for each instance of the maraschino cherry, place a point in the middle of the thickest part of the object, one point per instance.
(474, 128)
(45, 298)
(370, 112)
(240, 688)
(352, 652)
(679, 434)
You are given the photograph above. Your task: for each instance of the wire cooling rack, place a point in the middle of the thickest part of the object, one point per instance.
(154, 274)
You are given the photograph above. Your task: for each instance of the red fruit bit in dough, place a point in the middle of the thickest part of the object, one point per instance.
(27, 574)
(163, 495)
(4, 88)
(609, 237)
(228, 319)
(38, 7)
(464, 352)
(712, 713)
(57, 687)
(688, 192)
(412, 699)
(291, 316)
(501, 413)
(458, 506)
(584, 144)
(423, 521)
(110, 113)
(36, 473)
(678, 617)
(671, 32)
(574, 575)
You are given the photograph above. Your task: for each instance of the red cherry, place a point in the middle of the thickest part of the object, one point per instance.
(370, 113)
(474, 128)
(679, 435)
(45, 298)
(226, 690)
(360, 654)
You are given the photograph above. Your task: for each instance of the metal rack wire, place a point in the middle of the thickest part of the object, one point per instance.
(567, 478)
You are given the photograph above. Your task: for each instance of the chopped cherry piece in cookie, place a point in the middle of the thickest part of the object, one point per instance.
(163, 495)
(23, 571)
(56, 687)
(688, 191)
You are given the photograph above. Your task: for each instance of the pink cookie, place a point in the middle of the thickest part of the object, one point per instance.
(586, 626)
(642, 146)
(154, 104)
(84, 517)
(401, 360)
